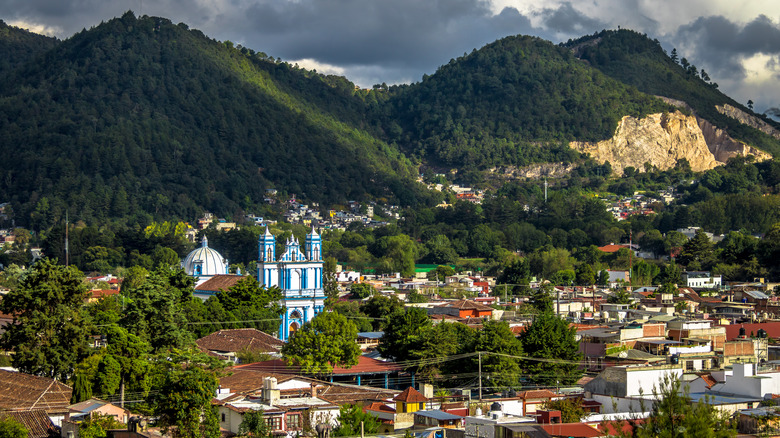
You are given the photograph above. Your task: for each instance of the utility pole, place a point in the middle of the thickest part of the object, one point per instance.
(630, 253)
(66, 238)
(545, 190)
(479, 355)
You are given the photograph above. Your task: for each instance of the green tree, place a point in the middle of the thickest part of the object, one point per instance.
(154, 309)
(674, 415)
(360, 291)
(82, 389)
(253, 424)
(186, 383)
(97, 426)
(380, 307)
(697, 252)
(551, 340)
(350, 419)
(326, 341)
(571, 409)
(497, 337)
(10, 428)
(405, 334)
(50, 331)
(331, 286)
(620, 296)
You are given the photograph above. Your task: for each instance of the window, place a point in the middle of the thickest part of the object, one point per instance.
(293, 421)
(223, 417)
(274, 423)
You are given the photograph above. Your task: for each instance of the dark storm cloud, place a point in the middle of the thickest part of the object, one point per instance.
(357, 32)
(570, 21)
(723, 44)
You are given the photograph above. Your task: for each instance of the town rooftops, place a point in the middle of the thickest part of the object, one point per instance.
(24, 392)
(235, 340)
(467, 305)
(219, 282)
(37, 422)
(410, 395)
(439, 415)
(365, 365)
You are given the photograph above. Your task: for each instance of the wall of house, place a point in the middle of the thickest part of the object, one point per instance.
(229, 419)
(654, 330)
(641, 380)
(612, 405)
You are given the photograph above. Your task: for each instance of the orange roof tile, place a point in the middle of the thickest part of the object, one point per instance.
(410, 395)
(572, 430)
(20, 391)
(235, 340)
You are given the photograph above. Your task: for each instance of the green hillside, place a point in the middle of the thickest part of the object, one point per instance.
(635, 59)
(144, 117)
(18, 46)
(516, 101)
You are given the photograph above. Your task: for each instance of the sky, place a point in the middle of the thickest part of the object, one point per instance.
(397, 41)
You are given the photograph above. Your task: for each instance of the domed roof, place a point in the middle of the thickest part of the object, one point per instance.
(210, 261)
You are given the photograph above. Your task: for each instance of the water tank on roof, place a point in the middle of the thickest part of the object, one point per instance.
(761, 333)
(742, 332)
(495, 406)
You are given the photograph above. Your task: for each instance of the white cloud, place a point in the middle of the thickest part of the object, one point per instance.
(38, 28)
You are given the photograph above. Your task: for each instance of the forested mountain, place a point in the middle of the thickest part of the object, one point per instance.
(516, 101)
(635, 59)
(141, 116)
(18, 46)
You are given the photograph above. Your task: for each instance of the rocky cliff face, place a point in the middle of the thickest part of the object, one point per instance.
(662, 139)
(748, 119)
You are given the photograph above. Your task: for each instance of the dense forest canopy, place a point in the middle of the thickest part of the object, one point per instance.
(140, 119)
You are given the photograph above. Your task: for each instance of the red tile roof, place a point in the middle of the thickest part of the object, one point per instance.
(365, 365)
(220, 282)
(572, 430)
(37, 422)
(236, 340)
(379, 407)
(24, 392)
(612, 248)
(537, 393)
(467, 305)
(410, 395)
(100, 293)
(708, 380)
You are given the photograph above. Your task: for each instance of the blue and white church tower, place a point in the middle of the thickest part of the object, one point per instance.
(299, 275)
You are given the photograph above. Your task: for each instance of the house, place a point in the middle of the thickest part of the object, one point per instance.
(436, 418)
(701, 279)
(90, 407)
(215, 284)
(84, 410)
(284, 415)
(368, 371)
(24, 392)
(228, 343)
(534, 399)
(462, 309)
(410, 400)
(369, 340)
(628, 388)
(36, 421)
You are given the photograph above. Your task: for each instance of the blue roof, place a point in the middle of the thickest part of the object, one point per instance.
(371, 335)
(438, 415)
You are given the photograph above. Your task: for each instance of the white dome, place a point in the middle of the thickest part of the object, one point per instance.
(208, 260)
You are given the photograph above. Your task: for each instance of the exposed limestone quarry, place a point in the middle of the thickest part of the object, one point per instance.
(662, 139)
(748, 119)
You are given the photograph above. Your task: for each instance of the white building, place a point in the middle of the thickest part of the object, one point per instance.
(204, 262)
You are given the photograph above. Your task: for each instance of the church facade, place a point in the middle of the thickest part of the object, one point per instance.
(298, 273)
